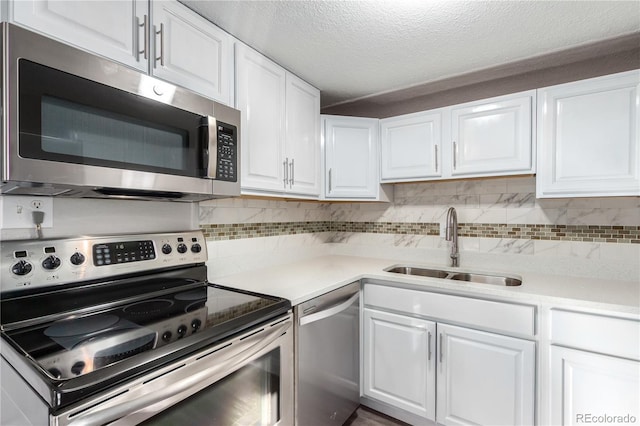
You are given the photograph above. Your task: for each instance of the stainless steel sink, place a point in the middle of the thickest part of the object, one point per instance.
(456, 276)
(486, 279)
(423, 272)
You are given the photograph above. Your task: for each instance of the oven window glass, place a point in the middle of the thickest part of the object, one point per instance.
(69, 119)
(249, 396)
(81, 131)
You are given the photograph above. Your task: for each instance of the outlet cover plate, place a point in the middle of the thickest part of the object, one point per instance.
(16, 211)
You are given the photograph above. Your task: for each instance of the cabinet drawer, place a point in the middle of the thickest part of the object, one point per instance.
(498, 316)
(609, 335)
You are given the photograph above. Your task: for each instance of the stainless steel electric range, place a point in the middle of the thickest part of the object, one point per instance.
(127, 330)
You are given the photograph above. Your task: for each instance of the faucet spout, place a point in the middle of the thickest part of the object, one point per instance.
(451, 234)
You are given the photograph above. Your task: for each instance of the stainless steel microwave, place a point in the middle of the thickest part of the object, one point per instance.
(78, 125)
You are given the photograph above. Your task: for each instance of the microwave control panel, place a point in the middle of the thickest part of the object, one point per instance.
(227, 166)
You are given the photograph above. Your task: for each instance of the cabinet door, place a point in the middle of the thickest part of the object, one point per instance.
(303, 136)
(493, 136)
(190, 51)
(113, 29)
(351, 157)
(399, 361)
(410, 146)
(261, 98)
(588, 140)
(484, 378)
(588, 384)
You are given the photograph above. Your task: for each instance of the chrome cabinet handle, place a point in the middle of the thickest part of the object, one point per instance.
(145, 47)
(436, 149)
(455, 154)
(285, 164)
(330, 180)
(441, 350)
(429, 346)
(161, 34)
(291, 180)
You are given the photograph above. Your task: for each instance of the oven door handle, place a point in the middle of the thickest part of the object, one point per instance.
(199, 379)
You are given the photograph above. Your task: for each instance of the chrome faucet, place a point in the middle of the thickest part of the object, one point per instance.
(451, 234)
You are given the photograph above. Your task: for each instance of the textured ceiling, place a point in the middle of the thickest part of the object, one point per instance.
(354, 49)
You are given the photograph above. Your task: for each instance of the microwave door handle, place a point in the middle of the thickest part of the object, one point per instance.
(210, 147)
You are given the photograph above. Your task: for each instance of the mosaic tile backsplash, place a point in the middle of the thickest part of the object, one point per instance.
(503, 208)
(583, 233)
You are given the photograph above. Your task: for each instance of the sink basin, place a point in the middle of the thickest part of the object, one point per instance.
(456, 276)
(423, 272)
(486, 279)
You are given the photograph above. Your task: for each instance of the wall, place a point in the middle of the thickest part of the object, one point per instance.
(581, 236)
(247, 233)
(74, 217)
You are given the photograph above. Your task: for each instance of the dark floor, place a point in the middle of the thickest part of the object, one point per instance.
(367, 417)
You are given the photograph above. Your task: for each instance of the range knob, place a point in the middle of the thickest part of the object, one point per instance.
(51, 262)
(77, 258)
(55, 373)
(195, 325)
(166, 336)
(196, 248)
(21, 268)
(182, 330)
(77, 368)
(182, 248)
(166, 248)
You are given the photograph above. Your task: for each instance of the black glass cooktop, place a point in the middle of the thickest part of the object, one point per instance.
(82, 331)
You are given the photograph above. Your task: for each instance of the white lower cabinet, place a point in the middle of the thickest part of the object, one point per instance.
(484, 378)
(399, 362)
(593, 388)
(594, 369)
(423, 371)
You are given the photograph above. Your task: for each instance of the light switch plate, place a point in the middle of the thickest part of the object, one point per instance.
(443, 229)
(17, 209)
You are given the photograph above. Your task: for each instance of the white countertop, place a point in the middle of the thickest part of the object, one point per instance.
(306, 279)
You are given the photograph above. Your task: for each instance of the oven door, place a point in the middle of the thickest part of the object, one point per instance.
(245, 380)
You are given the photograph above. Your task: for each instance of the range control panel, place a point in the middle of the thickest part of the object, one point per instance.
(29, 263)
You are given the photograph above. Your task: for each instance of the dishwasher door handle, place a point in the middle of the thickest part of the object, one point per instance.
(329, 312)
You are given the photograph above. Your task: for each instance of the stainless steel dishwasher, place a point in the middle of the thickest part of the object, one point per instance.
(327, 357)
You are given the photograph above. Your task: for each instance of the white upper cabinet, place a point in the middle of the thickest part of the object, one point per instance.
(172, 42)
(280, 128)
(114, 29)
(303, 136)
(588, 140)
(351, 160)
(190, 51)
(493, 136)
(411, 146)
(489, 137)
(260, 96)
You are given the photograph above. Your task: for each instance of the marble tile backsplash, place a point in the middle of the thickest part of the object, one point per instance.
(496, 216)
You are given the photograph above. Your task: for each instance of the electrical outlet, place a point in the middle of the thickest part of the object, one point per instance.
(17, 209)
(443, 229)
